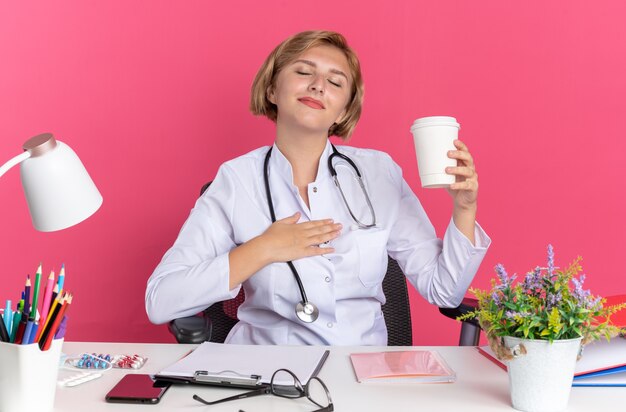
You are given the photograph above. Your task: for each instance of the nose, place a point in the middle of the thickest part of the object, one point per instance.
(317, 84)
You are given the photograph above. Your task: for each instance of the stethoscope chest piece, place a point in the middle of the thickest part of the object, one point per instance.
(307, 312)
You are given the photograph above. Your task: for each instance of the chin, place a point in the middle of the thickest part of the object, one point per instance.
(311, 126)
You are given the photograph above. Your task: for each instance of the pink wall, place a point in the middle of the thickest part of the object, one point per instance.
(153, 97)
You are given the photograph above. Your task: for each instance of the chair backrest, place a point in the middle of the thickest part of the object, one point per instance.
(396, 310)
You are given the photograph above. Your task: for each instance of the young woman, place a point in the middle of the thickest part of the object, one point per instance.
(310, 254)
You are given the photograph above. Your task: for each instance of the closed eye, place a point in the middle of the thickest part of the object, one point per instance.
(336, 84)
(303, 73)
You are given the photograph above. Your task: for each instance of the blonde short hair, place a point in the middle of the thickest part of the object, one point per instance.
(288, 51)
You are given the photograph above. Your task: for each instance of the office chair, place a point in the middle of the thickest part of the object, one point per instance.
(215, 322)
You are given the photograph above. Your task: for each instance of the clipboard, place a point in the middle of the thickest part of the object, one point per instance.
(243, 366)
(215, 379)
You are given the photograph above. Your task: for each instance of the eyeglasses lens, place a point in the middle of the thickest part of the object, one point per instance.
(285, 384)
(317, 393)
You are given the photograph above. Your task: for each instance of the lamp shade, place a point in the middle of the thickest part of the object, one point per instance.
(58, 189)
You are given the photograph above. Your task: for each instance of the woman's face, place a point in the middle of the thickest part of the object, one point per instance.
(312, 91)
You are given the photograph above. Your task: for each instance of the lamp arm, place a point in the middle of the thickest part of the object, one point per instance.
(17, 159)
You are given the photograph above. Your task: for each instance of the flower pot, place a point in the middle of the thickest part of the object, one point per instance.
(541, 379)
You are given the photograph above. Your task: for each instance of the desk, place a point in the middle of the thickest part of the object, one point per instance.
(481, 386)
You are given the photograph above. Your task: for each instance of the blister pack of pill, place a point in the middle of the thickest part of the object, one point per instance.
(128, 361)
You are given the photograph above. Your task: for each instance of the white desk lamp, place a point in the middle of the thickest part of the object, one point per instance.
(58, 189)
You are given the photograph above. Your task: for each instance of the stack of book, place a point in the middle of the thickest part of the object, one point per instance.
(603, 363)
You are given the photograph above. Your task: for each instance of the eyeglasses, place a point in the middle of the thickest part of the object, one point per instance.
(286, 385)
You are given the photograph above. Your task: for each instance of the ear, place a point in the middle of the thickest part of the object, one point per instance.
(270, 94)
(341, 117)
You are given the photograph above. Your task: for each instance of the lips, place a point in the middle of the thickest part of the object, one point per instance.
(311, 102)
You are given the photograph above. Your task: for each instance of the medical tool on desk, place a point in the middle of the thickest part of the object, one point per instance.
(306, 311)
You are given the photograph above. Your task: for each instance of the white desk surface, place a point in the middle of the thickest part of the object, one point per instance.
(480, 386)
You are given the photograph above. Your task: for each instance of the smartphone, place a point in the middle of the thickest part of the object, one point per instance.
(137, 388)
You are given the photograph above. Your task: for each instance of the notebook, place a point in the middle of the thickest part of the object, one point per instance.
(244, 365)
(610, 379)
(401, 367)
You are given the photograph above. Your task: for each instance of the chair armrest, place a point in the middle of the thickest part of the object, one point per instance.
(470, 329)
(466, 306)
(192, 329)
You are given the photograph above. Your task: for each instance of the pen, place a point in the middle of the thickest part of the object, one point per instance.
(45, 302)
(4, 334)
(62, 327)
(19, 335)
(8, 316)
(33, 333)
(17, 316)
(27, 332)
(33, 309)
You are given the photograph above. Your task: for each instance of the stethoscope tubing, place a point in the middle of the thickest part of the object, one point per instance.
(305, 310)
(270, 203)
(333, 173)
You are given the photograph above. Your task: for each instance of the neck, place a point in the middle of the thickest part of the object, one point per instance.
(303, 151)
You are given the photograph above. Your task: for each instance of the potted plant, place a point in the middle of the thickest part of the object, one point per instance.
(538, 326)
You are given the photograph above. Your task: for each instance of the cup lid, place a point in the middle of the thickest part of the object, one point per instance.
(435, 121)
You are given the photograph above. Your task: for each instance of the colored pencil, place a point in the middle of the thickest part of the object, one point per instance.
(51, 317)
(45, 302)
(53, 307)
(27, 296)
(57, 321)
(61, 279)
(33, 308)
(55, 293)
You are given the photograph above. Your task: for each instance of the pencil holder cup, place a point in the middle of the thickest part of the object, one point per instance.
(28, 376)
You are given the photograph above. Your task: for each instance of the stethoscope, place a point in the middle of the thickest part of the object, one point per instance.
(306, 311)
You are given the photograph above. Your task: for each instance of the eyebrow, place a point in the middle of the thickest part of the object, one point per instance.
(312, 64)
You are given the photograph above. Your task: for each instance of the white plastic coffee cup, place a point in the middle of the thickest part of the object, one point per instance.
(433, 137)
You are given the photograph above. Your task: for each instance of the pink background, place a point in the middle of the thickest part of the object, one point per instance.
(153, 96)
